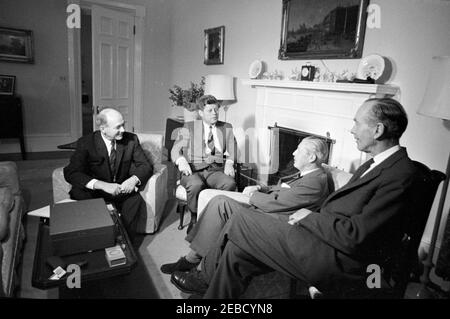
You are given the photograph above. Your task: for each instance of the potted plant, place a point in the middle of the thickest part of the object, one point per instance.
(187, 98)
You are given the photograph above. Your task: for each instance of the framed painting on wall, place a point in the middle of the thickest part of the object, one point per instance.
(7, 84)
(323, 29)
(214, 42)
(16, 45)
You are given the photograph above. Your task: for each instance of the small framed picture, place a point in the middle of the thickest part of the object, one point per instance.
(214, 45)
(7, 83)
(16, 45)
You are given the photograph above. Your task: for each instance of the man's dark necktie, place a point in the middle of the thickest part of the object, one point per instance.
(361, 170)
(112, 159)
(211, 141)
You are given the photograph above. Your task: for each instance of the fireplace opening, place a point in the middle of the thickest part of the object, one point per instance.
(283, 142)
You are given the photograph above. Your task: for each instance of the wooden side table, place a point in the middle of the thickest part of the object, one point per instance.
(11, 122)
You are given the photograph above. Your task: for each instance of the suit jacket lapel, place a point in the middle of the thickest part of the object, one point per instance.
(102, 151)
(310, 175)
(374, 173)
(100, 145)
(119, 148)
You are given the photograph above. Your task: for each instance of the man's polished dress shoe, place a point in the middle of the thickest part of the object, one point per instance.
(191, 282)
(180, 265)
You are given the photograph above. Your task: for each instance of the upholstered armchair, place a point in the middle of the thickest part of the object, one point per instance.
(155, 191)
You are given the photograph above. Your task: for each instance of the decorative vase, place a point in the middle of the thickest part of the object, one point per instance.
(190, 115)
(177, 111)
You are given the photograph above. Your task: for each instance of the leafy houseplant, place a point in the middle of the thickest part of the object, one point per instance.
(187, 98)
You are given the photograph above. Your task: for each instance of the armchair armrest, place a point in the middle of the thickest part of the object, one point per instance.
(61, 187)
(155, 196)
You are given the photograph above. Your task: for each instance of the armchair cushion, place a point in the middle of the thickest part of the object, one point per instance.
(340, 177)
(9, 177)
(154, 192)
(6, 204)
(152, 144)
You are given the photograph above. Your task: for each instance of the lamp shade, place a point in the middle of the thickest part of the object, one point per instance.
(436, 101)
(220, 86)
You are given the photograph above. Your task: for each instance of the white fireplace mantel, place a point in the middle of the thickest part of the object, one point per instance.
(321, 108)
(377, 89)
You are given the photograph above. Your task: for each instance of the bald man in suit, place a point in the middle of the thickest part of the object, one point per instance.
(111, 164)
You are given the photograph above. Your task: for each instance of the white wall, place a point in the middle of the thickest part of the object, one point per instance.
(42, 85)
(412, 31)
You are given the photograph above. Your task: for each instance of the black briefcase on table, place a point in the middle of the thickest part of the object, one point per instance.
(80, 226)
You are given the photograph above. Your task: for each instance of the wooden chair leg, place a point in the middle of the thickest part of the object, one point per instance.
(192, 222)
(180, 210)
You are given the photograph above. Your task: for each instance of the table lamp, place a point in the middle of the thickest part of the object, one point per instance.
(220, 86)
(436, 103)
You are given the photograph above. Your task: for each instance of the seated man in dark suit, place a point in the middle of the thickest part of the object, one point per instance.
(111, 164)
(306, 189)
(355, 227)
(204, 152)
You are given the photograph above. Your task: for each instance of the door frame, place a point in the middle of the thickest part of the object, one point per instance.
(74, 64)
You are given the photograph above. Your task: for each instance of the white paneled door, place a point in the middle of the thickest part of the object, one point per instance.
(112, 61)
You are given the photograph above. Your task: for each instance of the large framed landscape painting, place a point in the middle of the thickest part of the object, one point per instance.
(16, 45)
(323, 29)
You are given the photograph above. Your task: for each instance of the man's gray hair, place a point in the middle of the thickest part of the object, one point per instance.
(318, 147)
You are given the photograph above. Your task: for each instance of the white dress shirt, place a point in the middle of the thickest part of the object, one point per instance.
(379, 158)
(108, 145)
(217, 145)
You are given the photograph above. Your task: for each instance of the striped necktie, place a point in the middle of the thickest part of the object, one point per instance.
(112, 159)
(211, 141)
